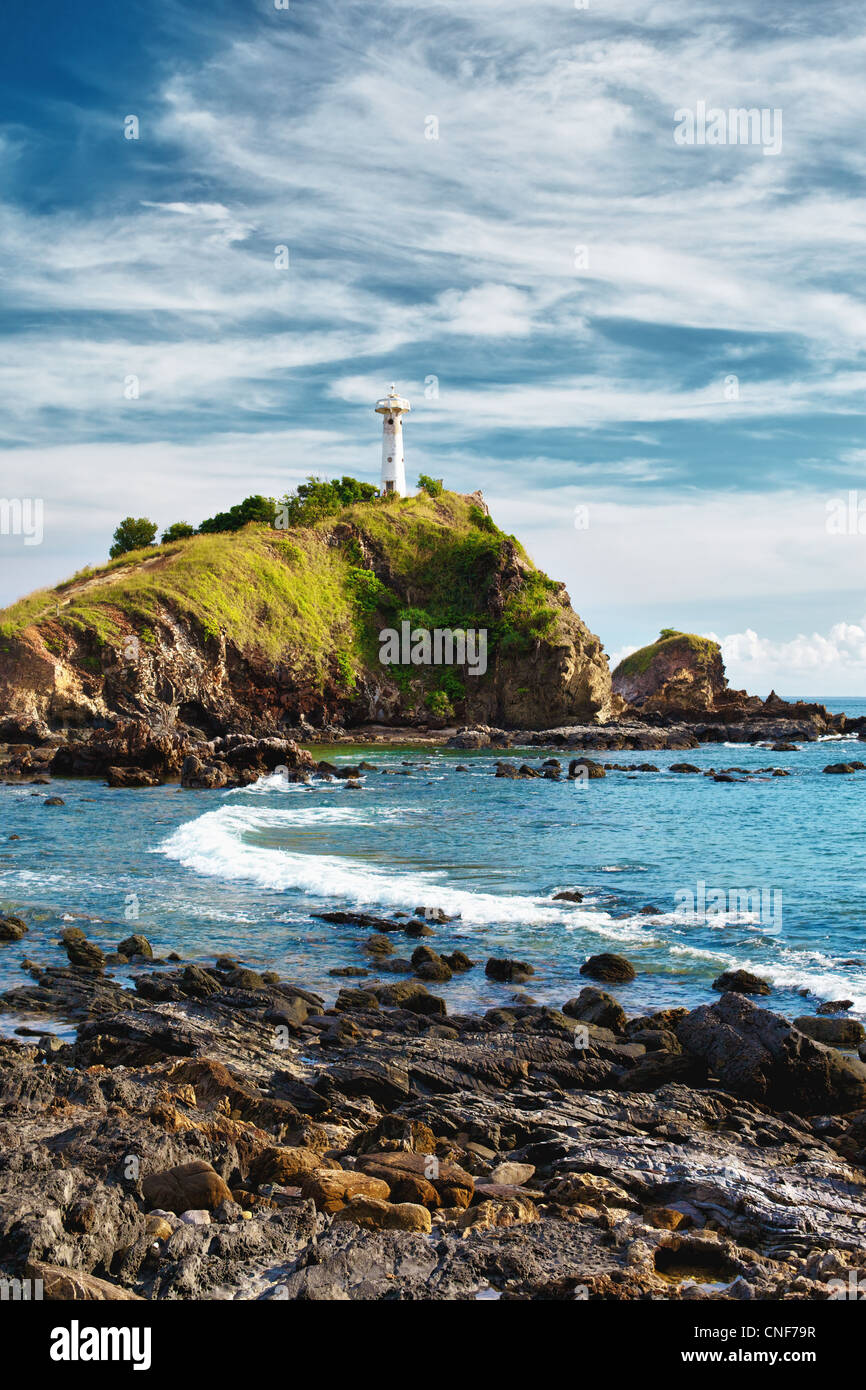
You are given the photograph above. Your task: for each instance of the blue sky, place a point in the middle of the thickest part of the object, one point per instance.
(552, 377)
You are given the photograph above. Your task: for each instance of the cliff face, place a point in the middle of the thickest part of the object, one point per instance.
(260, 631)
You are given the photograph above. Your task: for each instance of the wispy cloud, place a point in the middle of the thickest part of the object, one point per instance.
(600, 309)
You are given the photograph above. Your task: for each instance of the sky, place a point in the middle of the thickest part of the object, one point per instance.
(639, 328)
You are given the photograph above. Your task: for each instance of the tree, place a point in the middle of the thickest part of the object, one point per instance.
(434, 487)
(133, 533)
(316, 498)
(255, 508)
(177, 531)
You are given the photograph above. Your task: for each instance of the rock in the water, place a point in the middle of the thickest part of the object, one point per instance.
(429, 965)
(411, 995)
(82, 953)
(583, 768)
(135, 946)
(12, 928)
(131, 777)
(513, 972)
(378, 945)
(459, 962)
(610, 968)
(741, 982)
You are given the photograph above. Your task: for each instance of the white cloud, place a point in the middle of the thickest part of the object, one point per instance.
(831, 663)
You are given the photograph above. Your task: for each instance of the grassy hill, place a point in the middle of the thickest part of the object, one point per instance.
(308, 602)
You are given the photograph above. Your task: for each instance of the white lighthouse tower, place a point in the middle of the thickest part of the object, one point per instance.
(393, 407)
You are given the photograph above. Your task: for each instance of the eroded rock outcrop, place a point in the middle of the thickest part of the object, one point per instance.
(543, 1166)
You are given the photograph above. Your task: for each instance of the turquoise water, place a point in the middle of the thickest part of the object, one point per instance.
(244, 872)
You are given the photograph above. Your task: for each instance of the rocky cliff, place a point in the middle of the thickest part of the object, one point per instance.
(680, 673)
(682, 677)
(263, 632)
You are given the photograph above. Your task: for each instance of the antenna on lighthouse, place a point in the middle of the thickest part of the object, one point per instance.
(392, 408)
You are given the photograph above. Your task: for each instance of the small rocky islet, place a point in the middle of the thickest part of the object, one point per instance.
(214, 1132)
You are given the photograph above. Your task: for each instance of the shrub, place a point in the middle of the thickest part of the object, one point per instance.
(255, 508)
(432, 486)
(439, 705)
(316, 498)
(177, 531)
(368, 590)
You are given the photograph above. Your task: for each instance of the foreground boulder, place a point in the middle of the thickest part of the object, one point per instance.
(596, 1006)
(759, 1055)
(193, 1186)
(420, 1178)
(74, 1286)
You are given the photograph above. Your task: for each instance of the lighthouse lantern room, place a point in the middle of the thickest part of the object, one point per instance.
(392, 408)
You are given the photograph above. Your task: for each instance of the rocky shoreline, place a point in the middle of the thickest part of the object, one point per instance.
(216, 1133)
(134, 753)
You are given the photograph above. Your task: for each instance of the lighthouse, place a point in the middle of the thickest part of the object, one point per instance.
(392, 408)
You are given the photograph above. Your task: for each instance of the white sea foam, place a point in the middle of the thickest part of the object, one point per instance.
(215, 845)
(796, 970)
(622, 869)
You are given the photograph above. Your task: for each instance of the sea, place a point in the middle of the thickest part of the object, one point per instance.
(685, 876)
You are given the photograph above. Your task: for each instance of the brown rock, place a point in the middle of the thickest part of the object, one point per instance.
(374, 1215)
(285, 1165)
(189, 1187)
(506, 1211)
(12, 928)
(74, 1286)
(333, 1188)
(452, 1184)
(82, 953)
